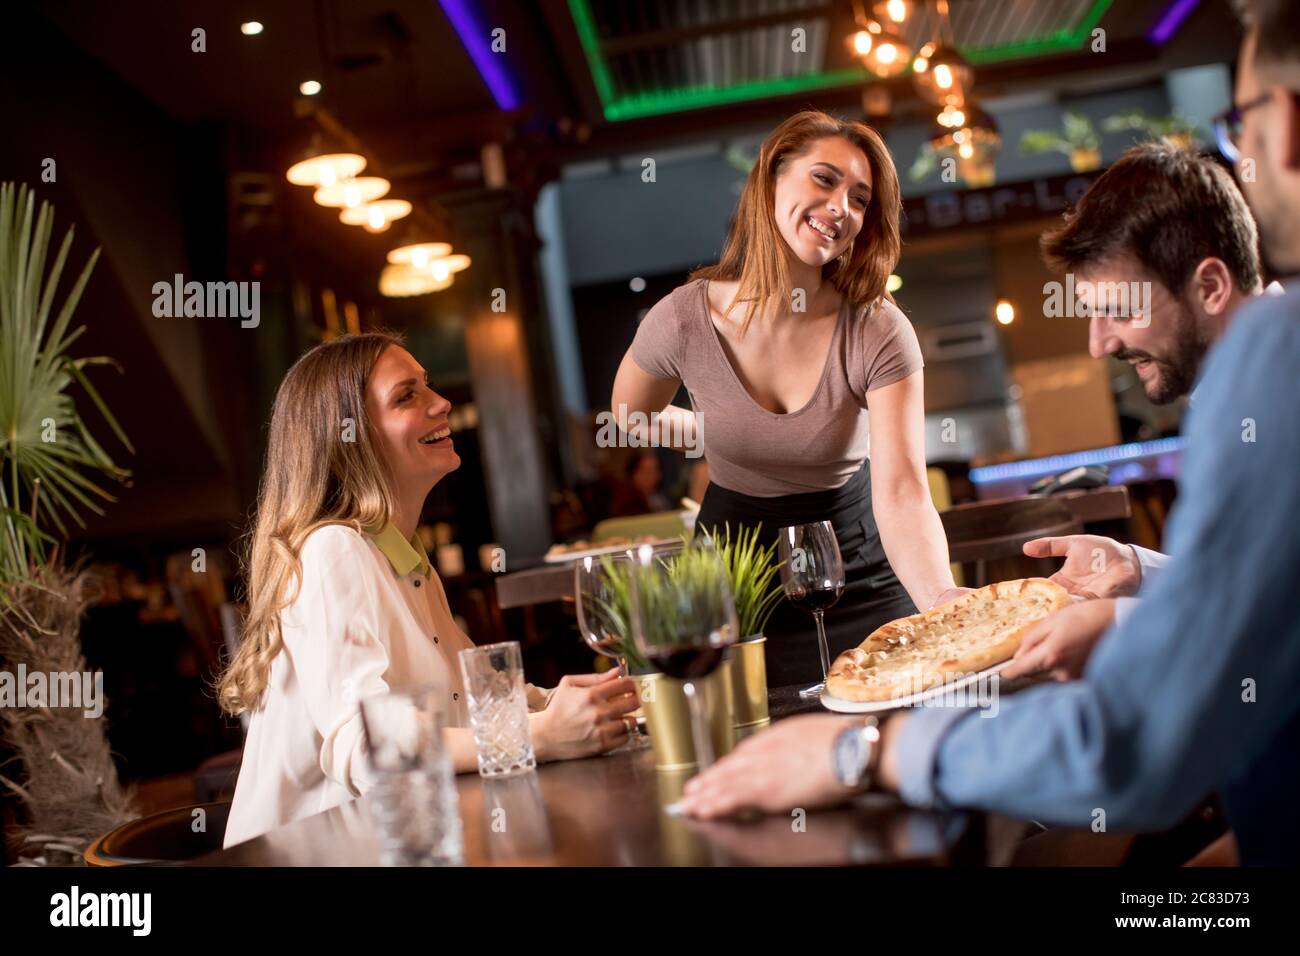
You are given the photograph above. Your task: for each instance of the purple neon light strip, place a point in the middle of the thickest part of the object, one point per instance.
(1171, 20)
(476, 39)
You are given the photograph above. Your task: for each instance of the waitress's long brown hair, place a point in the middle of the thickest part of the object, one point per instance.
(322, 467)
(755, 252)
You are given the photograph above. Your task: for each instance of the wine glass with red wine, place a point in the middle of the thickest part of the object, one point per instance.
(600, 600)
(812, 573)
(683, 620)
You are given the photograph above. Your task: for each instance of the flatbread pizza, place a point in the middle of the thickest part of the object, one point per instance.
(968, 635)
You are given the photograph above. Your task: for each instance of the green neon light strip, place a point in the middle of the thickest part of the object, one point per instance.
(690, 98)
(1057, 42)
(582, 19)
(695, 97)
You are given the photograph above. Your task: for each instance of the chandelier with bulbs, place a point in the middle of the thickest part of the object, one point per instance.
(941, 76)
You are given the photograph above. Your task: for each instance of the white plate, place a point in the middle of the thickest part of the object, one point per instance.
(841, 706)
(564, 557)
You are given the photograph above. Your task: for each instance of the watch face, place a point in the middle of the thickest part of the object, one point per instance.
(849, 756)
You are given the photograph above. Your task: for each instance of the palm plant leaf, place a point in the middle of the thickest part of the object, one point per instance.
(49, 459)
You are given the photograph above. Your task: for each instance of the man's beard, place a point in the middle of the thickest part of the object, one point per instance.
(1176, 370)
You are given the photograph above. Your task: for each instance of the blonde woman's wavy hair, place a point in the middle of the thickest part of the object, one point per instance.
(755, 252)
(322, 467)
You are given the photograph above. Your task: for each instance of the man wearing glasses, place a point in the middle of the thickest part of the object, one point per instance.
(1197, 690)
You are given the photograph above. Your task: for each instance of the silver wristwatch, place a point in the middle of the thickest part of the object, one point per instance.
(856, 753)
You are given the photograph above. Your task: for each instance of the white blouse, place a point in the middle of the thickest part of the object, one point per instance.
(370, 615)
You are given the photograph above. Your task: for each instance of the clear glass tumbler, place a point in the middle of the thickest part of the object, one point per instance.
(498, 708)
(413, 802)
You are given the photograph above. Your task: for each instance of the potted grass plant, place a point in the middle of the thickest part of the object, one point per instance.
(683, 587)
(57, 761)
(737, 691)
(756, 589)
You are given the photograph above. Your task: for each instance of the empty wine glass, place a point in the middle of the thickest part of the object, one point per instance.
(812, 573)
(600, 592)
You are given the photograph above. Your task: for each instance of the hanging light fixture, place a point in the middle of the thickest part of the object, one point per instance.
(448, 265)
(894, 12)
(400, 281)
(947, 79)
(375, 216)
(977, 173)
(347, 193)
(877, 42)
(418, 254)
(940, 73)
(973, 140)
(950, 117)
(889, 56)
(921, 62)
(319, 166)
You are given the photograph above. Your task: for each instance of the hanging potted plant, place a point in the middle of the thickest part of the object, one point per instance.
(1077, 139)
(61, 768)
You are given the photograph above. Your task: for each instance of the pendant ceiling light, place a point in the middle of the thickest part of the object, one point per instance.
(893, 12)
(352, 192)
(940, 73)
(375, 216)
(921, 62)
(889, 55)
(325, 169)
(974, 142)
(861, 43)
(400, 281)
(418, 254)
(320, 166)
(448, 265)
(951, 117)
(947, 79)
(877, 42)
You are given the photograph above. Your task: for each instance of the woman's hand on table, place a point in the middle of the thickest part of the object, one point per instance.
(778, 769)
(1095, 567)
(1062, 643)
(585, 716)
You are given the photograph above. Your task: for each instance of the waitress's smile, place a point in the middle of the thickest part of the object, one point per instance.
(824, 230)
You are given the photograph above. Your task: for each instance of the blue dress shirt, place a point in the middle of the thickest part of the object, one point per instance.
(1198, 690)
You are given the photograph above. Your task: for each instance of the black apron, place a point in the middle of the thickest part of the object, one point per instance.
(872, 594)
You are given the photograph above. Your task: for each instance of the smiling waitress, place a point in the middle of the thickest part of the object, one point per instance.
(805, 381)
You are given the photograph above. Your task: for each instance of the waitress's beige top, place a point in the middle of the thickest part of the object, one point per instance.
(370, 614)
(751, 450)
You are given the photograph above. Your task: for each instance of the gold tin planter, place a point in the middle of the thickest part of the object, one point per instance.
(668, 716)
(747, 672)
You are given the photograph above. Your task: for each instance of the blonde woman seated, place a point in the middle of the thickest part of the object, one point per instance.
(343, 602)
